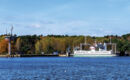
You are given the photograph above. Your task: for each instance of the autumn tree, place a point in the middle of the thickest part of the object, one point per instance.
(38, 47)
(3, 46)
(18, 44)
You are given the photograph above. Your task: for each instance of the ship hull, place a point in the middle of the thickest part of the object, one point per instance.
(93, 54)
(86, 55)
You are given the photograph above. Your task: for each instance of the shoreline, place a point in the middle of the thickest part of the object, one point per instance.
(33, 55)
(51, 55)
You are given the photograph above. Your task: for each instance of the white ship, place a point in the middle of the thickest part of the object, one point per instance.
(96, 50)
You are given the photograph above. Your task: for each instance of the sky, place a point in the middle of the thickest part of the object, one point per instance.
(65, 17)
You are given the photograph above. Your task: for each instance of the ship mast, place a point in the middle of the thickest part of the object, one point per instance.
(9, 37)
(11, 30)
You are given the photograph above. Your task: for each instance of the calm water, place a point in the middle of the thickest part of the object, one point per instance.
(55, 68)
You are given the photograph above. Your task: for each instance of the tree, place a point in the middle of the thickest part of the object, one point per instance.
(3, 46)
(38, 47)
(45, 45)
(18, 44)
(123, 46)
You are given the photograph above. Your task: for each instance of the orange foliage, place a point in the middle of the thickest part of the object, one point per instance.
(3, 46)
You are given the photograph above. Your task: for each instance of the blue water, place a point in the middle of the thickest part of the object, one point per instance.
(56, 68)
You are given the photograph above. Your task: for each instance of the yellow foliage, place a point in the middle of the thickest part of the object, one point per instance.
(3, 46)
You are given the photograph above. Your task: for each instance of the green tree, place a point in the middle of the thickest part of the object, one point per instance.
(38, 47)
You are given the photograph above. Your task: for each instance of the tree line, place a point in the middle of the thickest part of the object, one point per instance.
(33, 44)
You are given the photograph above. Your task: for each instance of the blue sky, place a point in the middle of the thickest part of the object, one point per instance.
(72, 17)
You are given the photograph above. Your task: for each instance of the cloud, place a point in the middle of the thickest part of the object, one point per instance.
(36, 25)
(74, 27)
(94, 27)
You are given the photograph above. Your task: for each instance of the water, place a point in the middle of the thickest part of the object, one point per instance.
(55, 68)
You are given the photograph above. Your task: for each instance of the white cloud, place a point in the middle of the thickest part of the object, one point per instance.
(36, 25)
(72, 27)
